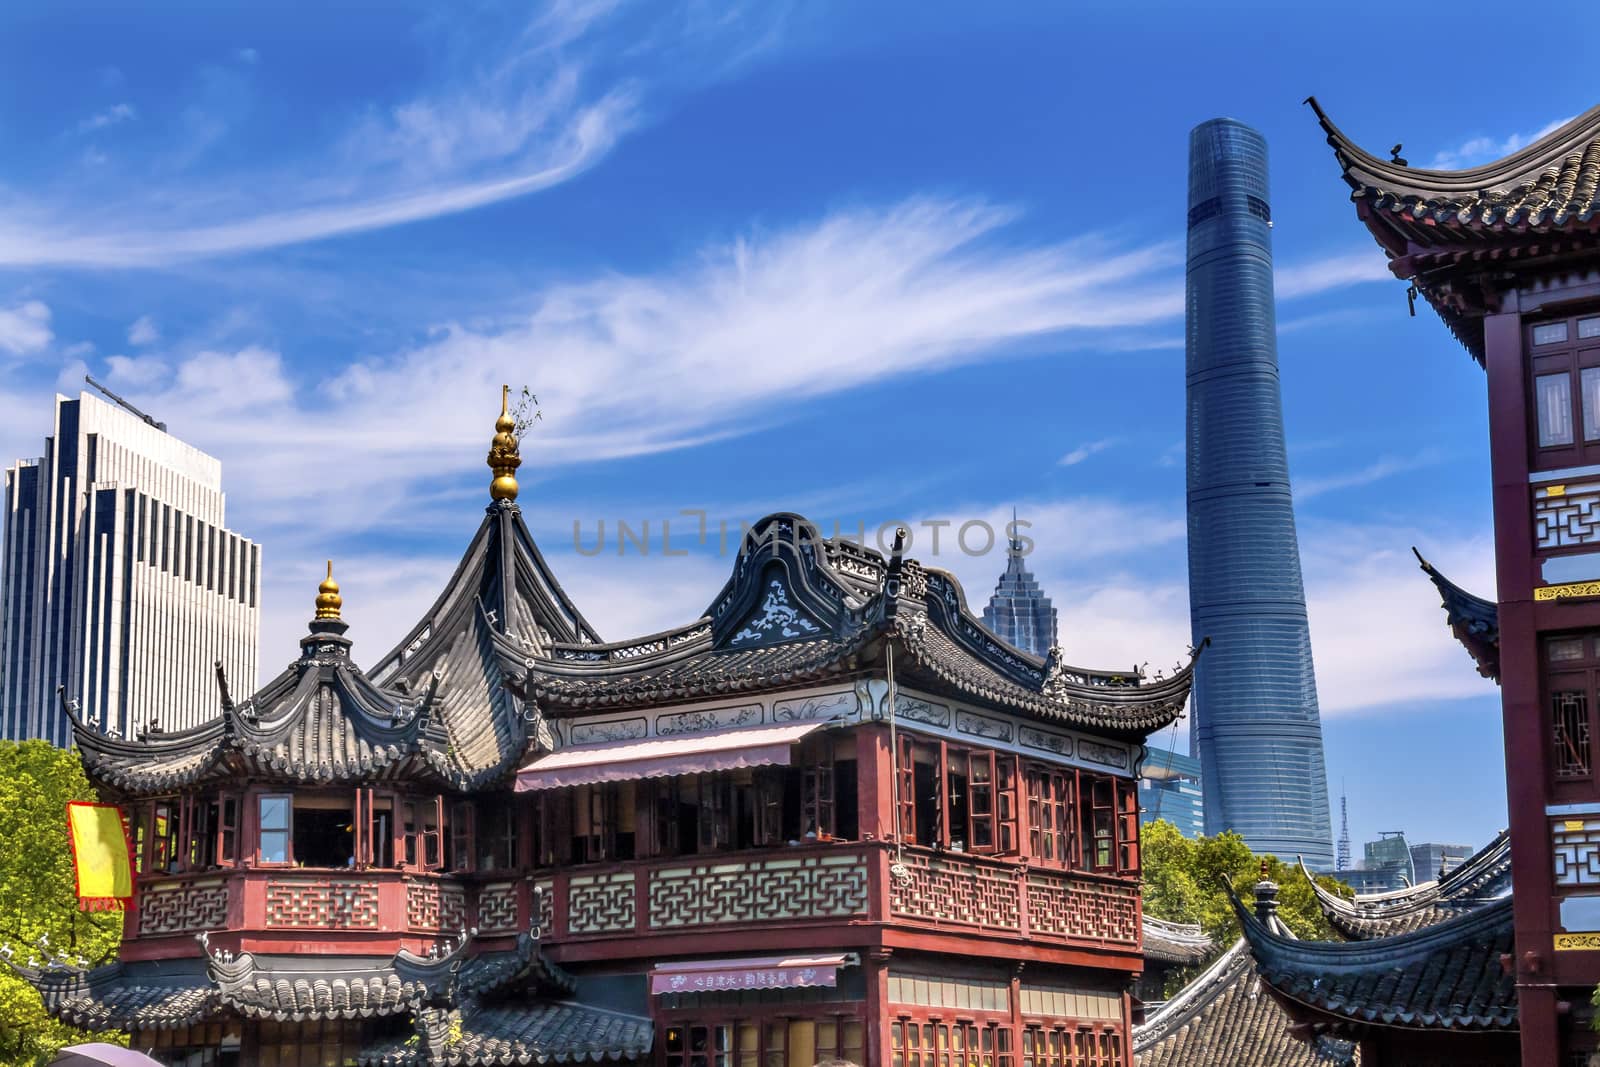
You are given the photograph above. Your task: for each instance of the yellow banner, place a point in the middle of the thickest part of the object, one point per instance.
(100, 854)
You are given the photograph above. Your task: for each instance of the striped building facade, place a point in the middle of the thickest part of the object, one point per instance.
(120, 581)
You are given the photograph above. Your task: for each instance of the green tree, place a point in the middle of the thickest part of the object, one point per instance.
(1183, 883)
(38, 894)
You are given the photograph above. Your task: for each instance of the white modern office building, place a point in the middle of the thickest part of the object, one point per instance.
(119, 580)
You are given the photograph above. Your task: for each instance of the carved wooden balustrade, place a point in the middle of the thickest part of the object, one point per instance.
(358, 901)
(948, 890)
(819, 882)
(823, 883)
(840, 882)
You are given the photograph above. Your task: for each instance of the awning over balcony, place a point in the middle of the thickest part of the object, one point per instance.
(766, 972)
(620, 761)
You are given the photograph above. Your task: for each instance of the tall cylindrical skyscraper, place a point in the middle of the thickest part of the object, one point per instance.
(1255, 724)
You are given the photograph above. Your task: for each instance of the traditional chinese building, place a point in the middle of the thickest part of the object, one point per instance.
(1508, 255)
(831, 815)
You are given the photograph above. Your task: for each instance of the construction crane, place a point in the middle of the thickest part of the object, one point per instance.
(115, 399)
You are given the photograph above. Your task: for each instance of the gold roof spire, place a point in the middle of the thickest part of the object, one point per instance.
(328, 599)
(504, 459)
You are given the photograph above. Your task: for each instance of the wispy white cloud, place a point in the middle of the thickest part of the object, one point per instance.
(543, 105)
(111, 116)
(1332, 272)
(247, 55)
(1084, 451)
(1388, 466)
(1378, 635)
(143, 331)
(1479, 150)
(25, 328)
(859, 296)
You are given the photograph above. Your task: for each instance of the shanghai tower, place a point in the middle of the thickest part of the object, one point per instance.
(1255, 724)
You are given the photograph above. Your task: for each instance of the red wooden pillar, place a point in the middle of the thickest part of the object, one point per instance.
(879, 1010)
(1531, 863)
(875, 782)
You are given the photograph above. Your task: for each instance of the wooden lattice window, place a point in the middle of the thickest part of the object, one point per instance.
(1100, 825)
(1569, 725)
(1009, 841)
(1050, 803)
(1127, 827)
(705, 1042)
(817, 790)
(1571, 666)
(228, 831)
(917, 1043)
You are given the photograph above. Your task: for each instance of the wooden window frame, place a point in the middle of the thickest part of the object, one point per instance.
(1570, 357)
(925, 1037)
(773, 1032)
(1052, 815)
(262, 830)
(1579, 675)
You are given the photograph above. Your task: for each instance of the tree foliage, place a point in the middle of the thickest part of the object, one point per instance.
(38, 895)
(1183, 883)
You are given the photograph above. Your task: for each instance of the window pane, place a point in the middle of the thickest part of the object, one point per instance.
(1550, 333)
(274, 813)
(274, 846)
(1566, 648)
(1554, 396)
(1589, 327)
(1589, 388)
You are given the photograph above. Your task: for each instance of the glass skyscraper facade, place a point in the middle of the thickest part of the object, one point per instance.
(1255, 724)
(1019, 613)
(120, 580)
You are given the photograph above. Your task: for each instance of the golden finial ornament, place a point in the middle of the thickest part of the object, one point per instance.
(504, 459)
(328, 599)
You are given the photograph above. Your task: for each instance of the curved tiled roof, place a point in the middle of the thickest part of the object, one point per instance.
(512, 1033)
(1224, 1018)
(1555, 181)
(1474, 620)
(162, 995)
(458, 703)
(799, 608)
(1480, 879)
(1447, 976)
(1170, 942)
(283, 988)
(320, 720)
(1485, 217)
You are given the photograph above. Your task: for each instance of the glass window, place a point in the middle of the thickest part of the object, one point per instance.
(1550, 333)
(274, 829)
(1589, 389)
(1565, 648)
(1553, 394)
(1589, 327)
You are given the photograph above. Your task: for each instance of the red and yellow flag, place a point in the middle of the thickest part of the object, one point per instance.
(101, 854)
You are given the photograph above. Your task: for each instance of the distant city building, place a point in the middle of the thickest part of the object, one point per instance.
(1427, 859)
(1341, 860)
(120, 581)
(1170, 789)
(1385, 866)
(1256, 727)
(1019, 613)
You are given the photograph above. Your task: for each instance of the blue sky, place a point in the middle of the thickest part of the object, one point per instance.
(867, 262)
